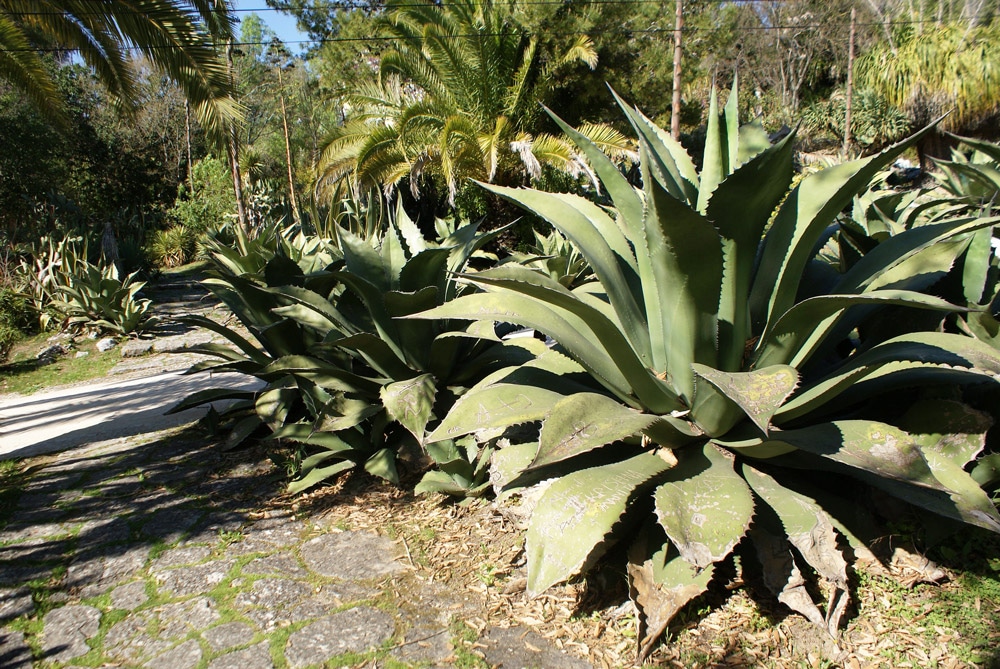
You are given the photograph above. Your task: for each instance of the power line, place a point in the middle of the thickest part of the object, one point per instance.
(620, 32)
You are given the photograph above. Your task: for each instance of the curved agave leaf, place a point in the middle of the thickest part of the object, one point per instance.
(323, 374)
(887, 457)
(899, 360)
(242, 343)
(782, 575)
(315, 475)
(208, 396)
(383, 464)
(577, 513)
(563, 325)
(411, 403)
(496, 406)
(601, 242)
(807, 525)
(952, 429)
(800, 330)
(703, 506)
(805, 214)
(759, 393)
(585, 421)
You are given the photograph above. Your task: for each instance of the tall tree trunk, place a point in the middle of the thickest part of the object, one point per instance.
(288, 151)
(233, 151)
(187, 136)
(850, 84)
(675, 105)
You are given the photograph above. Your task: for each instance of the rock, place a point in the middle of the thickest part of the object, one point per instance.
(254, 657)
(106, 344)
(229, 636)
(15, 653)
(353, 631)
(15, 602)
(351, 555)
(66, 630)
(519, 647)
(184, 656)
(136, 347)
(193, 580)
(81, 354)
(129, 596)
(277, 565)
(269, 600)
(50, 353)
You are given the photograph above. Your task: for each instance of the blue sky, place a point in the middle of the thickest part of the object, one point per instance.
(281, 23)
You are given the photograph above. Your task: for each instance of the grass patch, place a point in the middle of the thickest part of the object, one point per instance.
(25, 375)
(462, 638)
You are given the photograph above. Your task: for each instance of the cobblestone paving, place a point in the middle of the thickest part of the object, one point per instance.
(166, 553)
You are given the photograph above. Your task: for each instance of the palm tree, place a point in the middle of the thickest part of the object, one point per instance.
(456, 97)
(177, 36)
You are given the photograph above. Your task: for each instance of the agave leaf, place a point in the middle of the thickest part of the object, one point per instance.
(800, 330)
(324, 375)
(363, 261)
(442, 483)
(953, 429)
(667, 160)
(273, 404)
(782, 575)
(987, 470)
(411, 403)
(508, 462)
(977, 268)
(806, 212)
(341, 413)
(740, 208)
(905, 357)
(427, 268)
(577, 513)
(219, 351)
(241, 431)
(373, 350)
(660, 585)
(305, 433)
(601, 242)
(703, 505)
(383, 465)
(682, 295)
(623, 194)
(886, 457)
(318, 475)
(899, 248)
(585, 421)
(759, 393)
(807, 525)
(203, 397)
(243, 344)
(563, 325)
(495, 406)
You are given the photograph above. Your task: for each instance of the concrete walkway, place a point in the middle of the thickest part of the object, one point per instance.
(53, 421)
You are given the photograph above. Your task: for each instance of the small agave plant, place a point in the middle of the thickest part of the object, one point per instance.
(703, 395)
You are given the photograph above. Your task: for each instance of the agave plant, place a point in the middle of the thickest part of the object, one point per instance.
(725, 381)
(97, 299)
(974, 178)
(345, 378)
(556, 256)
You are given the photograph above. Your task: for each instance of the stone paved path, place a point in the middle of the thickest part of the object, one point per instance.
(167, 553)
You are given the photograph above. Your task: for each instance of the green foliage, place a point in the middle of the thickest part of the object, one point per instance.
(15, 319)
(345, 379)
(720, 378)
(556, 256)
(211, 203)
(875, 124)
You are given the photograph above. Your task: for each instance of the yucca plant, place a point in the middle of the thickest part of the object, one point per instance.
(345, 379)
(726, 382)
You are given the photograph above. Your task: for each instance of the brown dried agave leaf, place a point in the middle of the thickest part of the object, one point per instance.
(660, 586)
(782, 575)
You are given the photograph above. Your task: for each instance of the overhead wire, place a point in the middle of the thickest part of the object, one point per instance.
(622, 32)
